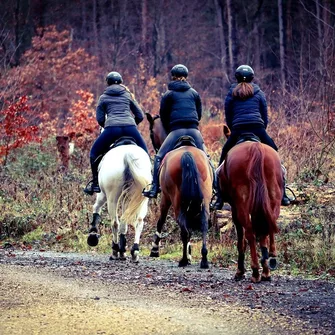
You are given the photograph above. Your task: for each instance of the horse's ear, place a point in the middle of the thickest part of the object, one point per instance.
(226, 130)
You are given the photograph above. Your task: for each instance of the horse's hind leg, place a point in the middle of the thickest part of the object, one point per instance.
(135, 250)
(263, 241)
(165, 205)
(186, 259)
(93, 237)
(115, 240)
(136, 246)
(250, 236)
(204, 251)
(241, 247)
(272, 253)
(123, 228)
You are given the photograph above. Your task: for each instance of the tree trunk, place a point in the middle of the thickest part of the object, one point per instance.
(219, 9)
(230, 38)
(281, 45)
(23, 28)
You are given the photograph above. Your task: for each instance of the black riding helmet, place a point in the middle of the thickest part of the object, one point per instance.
(179, 70)
(113, 78)
(244, 73)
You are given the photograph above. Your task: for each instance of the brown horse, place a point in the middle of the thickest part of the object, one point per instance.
(251, 180)
(186, 184)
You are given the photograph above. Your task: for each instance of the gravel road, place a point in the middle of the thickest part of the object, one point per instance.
(69, 293)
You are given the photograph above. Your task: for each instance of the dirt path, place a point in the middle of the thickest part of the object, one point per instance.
(50, 293)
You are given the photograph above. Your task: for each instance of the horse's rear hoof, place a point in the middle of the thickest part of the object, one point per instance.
(135, 256)
(272, 263)
(122, 256)
(93, 239)
(114, 256)
(239, 277)
(184, 263)
(266, 278)
(204, 265)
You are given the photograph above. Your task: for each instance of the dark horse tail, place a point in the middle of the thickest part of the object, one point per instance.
(191, 207)
(263, 221)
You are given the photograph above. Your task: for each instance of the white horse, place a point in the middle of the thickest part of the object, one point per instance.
(123, 173)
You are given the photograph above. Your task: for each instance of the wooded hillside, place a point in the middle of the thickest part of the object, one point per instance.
(51, 49)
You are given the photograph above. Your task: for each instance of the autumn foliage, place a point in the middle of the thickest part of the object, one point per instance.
(81, 125)
(15, 128)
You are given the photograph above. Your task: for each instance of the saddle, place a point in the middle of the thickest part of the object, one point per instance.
(185, 140)
(248, 137)
(124, 140)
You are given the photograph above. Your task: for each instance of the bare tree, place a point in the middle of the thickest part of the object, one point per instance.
(281, 45)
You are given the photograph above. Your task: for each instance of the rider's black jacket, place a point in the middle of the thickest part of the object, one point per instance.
(180, 106)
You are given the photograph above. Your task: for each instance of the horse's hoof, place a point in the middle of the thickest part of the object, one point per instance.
(256, 280)
(182, 263)
(154, 253)
(122, 256)
(135, 256)
(114, 256)
(272, 263)
(204, 265)
(93, 239)
(239, 277)
(266, 278)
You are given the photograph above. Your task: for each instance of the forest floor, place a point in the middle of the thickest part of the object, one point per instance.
(48, 292)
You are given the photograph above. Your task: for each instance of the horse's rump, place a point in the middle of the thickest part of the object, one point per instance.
(185, 180)
(124, 172)
(254, 177)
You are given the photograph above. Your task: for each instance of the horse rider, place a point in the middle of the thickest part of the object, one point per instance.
(117, 113)
(246, 112)
(180, 113)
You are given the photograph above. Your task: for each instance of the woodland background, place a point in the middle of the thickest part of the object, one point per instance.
(54, 56)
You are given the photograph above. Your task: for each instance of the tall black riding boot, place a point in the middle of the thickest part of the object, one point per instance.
(93, 185)
(285, 201)
(219, 199)
(152, 193)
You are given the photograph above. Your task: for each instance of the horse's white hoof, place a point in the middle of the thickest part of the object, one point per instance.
(135, 256)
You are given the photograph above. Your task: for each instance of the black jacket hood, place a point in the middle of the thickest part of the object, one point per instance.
(178, 85)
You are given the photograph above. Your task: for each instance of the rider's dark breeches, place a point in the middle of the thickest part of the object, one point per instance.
(173, 136)
(112, 134)
(236, 133)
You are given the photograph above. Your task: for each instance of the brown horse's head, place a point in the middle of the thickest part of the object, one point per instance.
(157, 131)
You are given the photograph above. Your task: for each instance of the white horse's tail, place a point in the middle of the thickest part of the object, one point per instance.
(136, 179)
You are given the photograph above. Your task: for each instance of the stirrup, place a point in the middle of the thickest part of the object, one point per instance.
(91, 188)
(285, 201)
(152, 193)
(218, 203)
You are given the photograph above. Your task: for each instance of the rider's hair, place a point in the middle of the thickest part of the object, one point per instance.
(243, 91)
(128, 90)
(179, 78)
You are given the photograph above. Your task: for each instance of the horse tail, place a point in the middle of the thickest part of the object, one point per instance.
(135, 180)
(191, 207)
(263, 220)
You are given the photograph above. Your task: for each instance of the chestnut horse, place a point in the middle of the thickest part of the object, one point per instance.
(186, 184)
(251, 180)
